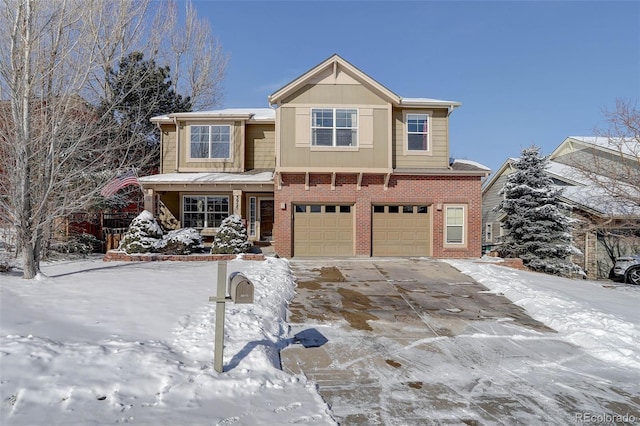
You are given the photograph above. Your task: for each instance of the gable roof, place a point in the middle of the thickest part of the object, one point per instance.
(335, 64)
(629, 148)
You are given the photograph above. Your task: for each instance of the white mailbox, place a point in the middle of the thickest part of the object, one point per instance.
(240, 288)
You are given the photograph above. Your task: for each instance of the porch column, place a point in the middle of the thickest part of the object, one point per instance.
(149, 201)
(237, 202)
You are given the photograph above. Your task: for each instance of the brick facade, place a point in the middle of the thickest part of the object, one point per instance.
(410, 189)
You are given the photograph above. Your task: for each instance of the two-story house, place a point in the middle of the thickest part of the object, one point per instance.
(339, 166)
(605, 226)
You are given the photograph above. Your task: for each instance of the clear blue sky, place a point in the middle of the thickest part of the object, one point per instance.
(525, 72)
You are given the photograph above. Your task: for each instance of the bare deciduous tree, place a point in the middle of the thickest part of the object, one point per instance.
(57, 148)
(615, 171)
(197, 61)
(611, 166)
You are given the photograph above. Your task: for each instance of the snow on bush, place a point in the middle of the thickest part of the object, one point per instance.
(142, 236)
(181, 241)
(231, 238)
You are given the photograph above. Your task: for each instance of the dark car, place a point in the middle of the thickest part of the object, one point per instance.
(627, 269)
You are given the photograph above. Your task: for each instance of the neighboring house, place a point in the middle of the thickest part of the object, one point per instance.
(340, 166)
(603, 223)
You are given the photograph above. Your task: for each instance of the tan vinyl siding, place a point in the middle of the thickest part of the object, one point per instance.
(335, 95)
(439, 152)
(372, 151)
(168, 162)
(260, 146)
(236, 163)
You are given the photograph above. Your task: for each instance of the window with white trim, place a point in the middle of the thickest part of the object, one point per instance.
(204, 211)
(454, 218)
(210, 141)
(417, 132)
(334, 127)
(488, 236)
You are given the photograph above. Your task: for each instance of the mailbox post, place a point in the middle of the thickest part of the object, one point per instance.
(241, 291)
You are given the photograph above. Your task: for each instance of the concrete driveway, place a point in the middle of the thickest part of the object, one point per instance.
(414, 341)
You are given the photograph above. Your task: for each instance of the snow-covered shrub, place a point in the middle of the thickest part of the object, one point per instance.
(5, 266)
(232, 237)
(142, 236)
(83, 244)
(181, 241)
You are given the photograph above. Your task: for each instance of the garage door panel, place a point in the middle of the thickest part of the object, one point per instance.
(323, 232)
(401, 231)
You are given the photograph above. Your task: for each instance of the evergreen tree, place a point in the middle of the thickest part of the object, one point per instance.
(138, 90)
(231, 238)
(537, 227)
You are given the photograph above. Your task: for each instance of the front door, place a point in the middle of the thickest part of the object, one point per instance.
(266, 220)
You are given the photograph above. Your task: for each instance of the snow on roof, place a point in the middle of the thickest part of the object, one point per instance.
(630, 146)
(566, 172)
(583, 191)
(258, 114)
(261, 177)
(469, 163)
(409, 101)
(586, 193)
(598, 199)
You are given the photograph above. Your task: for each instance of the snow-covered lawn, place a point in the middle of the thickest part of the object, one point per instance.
(99, 343)
(600, 316)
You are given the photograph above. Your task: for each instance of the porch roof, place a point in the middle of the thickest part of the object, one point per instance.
(264, 177)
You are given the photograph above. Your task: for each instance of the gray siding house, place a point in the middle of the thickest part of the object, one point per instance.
(606, 226)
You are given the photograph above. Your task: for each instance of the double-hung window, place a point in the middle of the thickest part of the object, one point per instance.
(417, 132)
(455, 224)
(334, 127)
(204, 211)
(211, 141)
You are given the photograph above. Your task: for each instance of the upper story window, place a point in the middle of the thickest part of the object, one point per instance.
(417, 132)
(211, 141)
(334, 127)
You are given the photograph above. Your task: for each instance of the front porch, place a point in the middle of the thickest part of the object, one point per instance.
(203, 200)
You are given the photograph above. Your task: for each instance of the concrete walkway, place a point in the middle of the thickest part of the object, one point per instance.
(412, 342)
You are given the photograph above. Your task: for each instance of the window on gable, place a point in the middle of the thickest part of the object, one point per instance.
(211, 141)
(334, 127)
(418, 132)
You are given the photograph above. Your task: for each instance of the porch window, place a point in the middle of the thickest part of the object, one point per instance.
(204, 211)
(210, 141)
(417, 132)
(455, 225)
(334, 127)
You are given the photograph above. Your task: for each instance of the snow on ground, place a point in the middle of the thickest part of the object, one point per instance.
(601, 317)
(97, 343)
